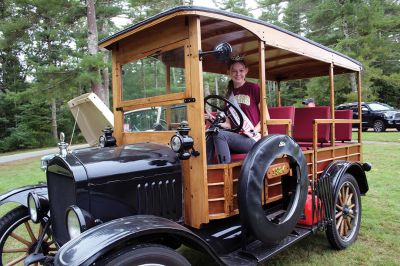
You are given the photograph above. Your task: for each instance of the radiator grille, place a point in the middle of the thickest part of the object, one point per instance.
(61, 195)
(162, 198)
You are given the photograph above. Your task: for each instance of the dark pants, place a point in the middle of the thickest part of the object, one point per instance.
(225, 142)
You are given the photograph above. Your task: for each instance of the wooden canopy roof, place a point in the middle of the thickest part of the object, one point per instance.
(288, 55)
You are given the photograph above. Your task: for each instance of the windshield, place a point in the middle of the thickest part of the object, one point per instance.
(379, 107)
(159, 118)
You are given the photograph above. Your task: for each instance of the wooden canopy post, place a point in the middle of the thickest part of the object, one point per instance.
(359, 110)
(117, 96)
(278, 93)
(195, 169)
(264, 115)
(168, 91)
(332, 87)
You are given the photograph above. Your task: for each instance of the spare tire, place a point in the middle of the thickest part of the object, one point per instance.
(254, 219)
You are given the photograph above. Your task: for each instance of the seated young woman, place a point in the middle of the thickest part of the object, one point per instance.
(247, 97)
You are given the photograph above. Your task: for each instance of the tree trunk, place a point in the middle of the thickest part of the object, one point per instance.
(105, 76)
(54, 119)
(346, 33)
(92, 45)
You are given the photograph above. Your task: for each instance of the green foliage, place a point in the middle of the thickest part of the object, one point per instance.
(365, 30)
(235, 6)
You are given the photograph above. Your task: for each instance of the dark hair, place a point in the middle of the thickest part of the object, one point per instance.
(230, 83)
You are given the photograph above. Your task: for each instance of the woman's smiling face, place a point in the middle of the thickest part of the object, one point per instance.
(238, 72)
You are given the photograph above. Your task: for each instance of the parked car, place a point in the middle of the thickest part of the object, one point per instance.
(140, 195)
(378, 116)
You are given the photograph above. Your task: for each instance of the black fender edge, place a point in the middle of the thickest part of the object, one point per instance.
(19, 195)
(338, 168)
(97, 241)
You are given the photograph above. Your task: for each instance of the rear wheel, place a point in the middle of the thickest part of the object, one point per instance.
(379, 126)
(148, 254)
(345, 225)
(19, 236)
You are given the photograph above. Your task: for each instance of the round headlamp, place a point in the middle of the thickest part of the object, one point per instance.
(77, 221)
(38, 207)
(176, 143)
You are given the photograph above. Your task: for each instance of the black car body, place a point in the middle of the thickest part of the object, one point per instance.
(131, 179)
(378, 116)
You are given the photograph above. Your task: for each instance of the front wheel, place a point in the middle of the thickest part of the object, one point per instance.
(147, 254)
(343, 230)
(19, 237)
(379, 126)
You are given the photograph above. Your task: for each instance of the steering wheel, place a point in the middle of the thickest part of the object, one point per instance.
(225, 110)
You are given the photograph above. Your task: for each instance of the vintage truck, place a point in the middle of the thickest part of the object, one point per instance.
(140, 194)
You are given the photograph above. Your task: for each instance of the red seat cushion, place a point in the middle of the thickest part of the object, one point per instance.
(303, 123)
(238, 156)
(343, 131)
(282, 112)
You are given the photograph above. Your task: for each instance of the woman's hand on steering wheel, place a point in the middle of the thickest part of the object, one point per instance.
(225, 109)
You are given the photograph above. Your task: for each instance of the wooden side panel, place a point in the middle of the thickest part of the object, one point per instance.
(165, 33)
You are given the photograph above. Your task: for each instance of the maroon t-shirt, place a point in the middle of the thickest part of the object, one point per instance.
(248, 97)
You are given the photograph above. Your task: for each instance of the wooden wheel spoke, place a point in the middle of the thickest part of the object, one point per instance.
(339, 222)
(345, 229)
(349, 226)
(45, 238)
(53, 249)
(351, 206)
(349, 199)
(340, 197)
(15, 250)
(20, 239)
(341, 228)
(15, 262)
(339, 214)
(351, 215)
(339, 207)
(30, 232)
(347, 194)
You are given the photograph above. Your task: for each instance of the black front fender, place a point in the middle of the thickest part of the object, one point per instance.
(19, 195)
(338, 168)
(89, 246)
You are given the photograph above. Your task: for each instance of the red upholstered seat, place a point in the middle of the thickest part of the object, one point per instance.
(343, 131)
(303, 124)
(238, 156)
(282, 112)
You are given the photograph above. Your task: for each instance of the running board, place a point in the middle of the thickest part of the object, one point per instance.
(257, 252)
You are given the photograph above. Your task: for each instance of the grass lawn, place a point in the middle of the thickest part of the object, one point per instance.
(388, 136)
(378, 242)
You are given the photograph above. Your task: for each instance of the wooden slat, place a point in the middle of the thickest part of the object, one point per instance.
(221, 31)
(332, 102)
(264, 114)
(162, 137)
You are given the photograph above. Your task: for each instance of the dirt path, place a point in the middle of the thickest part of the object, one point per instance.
(31, 154)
